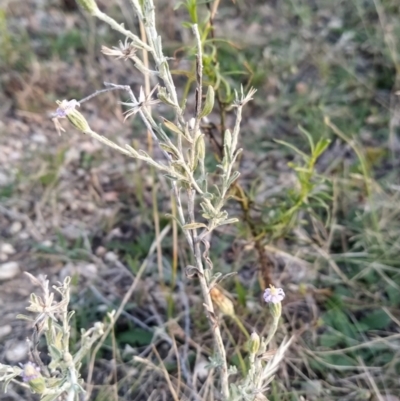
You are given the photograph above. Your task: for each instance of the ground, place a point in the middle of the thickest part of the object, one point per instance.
(71, 207)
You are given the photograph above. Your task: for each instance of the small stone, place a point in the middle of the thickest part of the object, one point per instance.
(301, 88)
(16, 352)
(80, 172)
(201, 369)
(313, 387)
(5, 331)
(68, 270)
(72, 154)
(101, 251)
(4, 179)
(110, 196)
(72, 232)
(15, 155)
(47, 243)
(8, 270)
(39, 138)
(15, 227)
(8, 249)
(89, 270)
(24, 235)
(111, 257)
(89, 207)
(335, 23)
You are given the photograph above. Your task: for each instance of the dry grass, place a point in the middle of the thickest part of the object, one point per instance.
(71, 207)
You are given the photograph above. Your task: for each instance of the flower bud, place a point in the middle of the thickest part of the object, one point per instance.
(88, 5)
(78, 121)
(276, 310)
(67, 109)
(99, 327)
(68, 357)
(254, 345)
(224, 304)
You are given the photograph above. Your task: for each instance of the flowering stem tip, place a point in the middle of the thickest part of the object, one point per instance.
(273, 295)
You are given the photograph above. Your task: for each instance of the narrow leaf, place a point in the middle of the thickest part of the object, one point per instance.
(233, 178)
(321, 146)
(209, 102)
(289, 145)
(193, 226)
(171, 126)
(228, 221)
(309, 137)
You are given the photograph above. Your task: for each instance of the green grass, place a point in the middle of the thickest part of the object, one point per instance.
(326, 59)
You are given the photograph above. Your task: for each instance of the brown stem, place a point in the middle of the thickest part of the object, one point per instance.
(264, 261)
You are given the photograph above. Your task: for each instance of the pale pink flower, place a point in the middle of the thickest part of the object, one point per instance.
(273, 295)
(30, 372)
(66, 107)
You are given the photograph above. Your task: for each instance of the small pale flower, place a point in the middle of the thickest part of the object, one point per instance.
(125, 50)
(30, 371)
(254, 342)
(274, 295)
(31, 374)
(66, 107)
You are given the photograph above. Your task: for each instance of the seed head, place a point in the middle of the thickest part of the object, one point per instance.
(125, 50)
(224, 304)
(143, 101)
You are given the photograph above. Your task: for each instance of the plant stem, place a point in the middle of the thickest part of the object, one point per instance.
(146, 14)
(119, 27)
(205, 289)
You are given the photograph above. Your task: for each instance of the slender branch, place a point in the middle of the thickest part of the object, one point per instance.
(146, 14)
(98, 92)
(219, 344)
(156, 50)
(199, 77)
(119, 27)
(202, 274)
